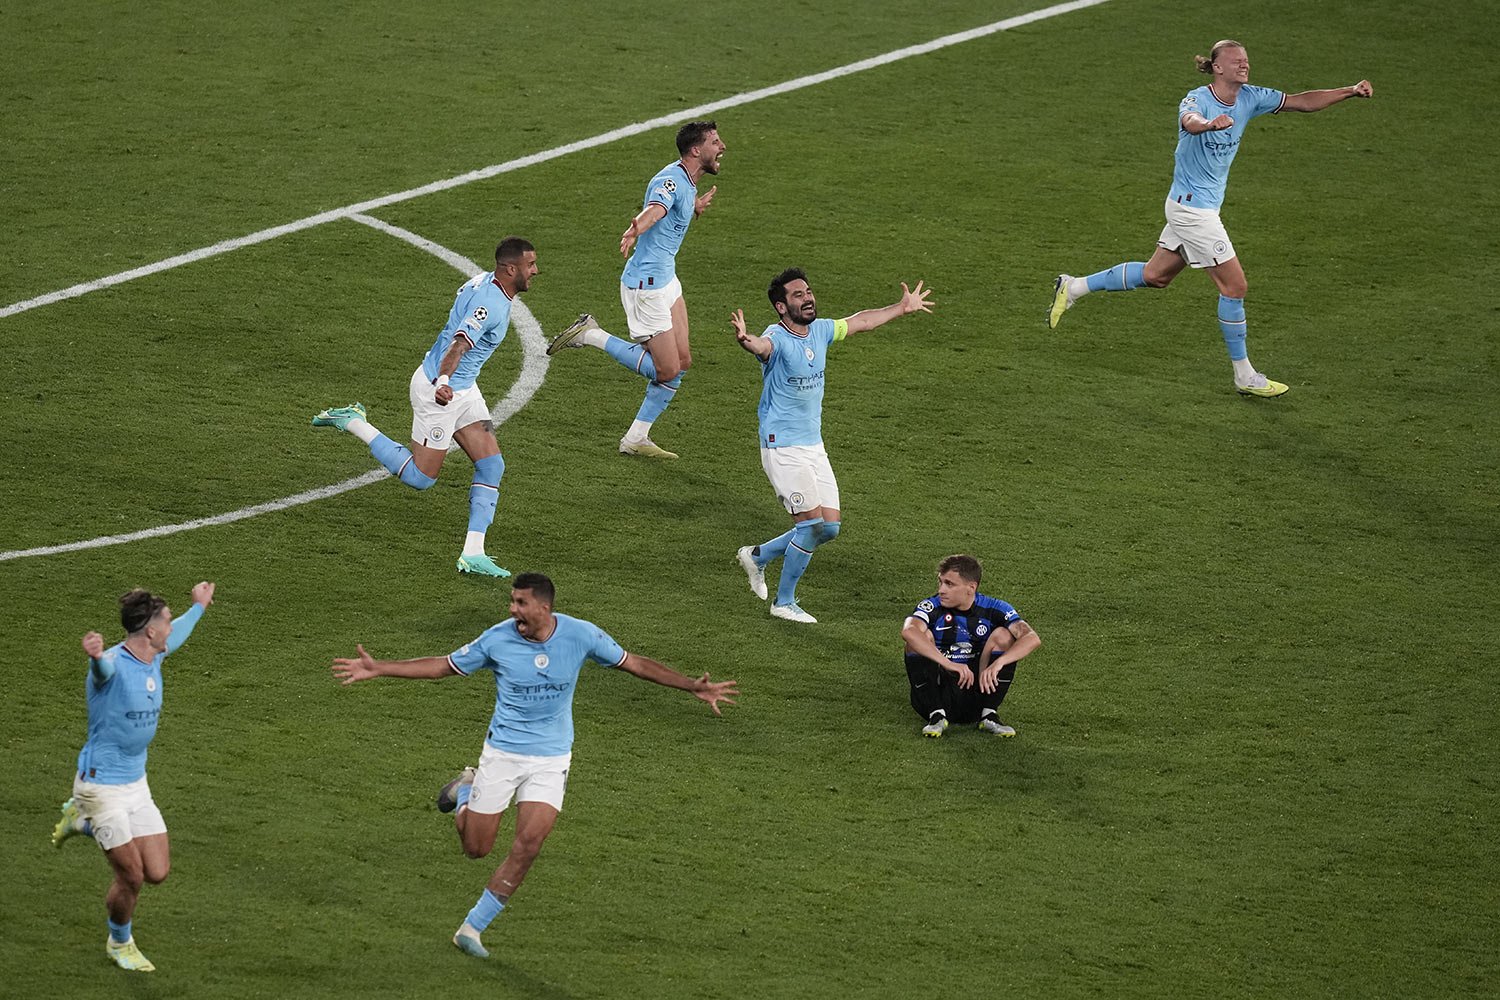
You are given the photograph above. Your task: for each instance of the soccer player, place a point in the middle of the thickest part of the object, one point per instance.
(1210, 122)
(941, 635)
(111, 801)
(793, 353)
(655, 311)
(447, 405)
(536, 656)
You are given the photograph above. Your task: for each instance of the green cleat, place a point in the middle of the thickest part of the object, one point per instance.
(1060, 301)
(646, 449)
(573, 335)
(339, 416)
(127, 956)
(1259, 385)
(481, 565)
(70, 825)
(467, 940)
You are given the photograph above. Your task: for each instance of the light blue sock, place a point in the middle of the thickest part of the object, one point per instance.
(827, 532)
(1120, 278)
(485, 493)
(119, 933)
(487, 909)
(1232, 323)
(774, 549)
(798, 555)
(631, 355)
(463, 794)
(397, 458)
(658, 395)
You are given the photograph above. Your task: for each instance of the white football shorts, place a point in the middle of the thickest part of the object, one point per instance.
(801, 476)
(119, 813)
(1197, 234)
(648, 311)
(433, 425)
(504, 776)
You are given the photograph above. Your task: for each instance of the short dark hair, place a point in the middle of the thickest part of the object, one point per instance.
(511, 248)
(693, 134)
(967, 567)
(137, 608)
(538, 584)
(777, 292)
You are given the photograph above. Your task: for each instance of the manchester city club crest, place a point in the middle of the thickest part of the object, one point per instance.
(150, 683)
(808, 353)
(541, 661)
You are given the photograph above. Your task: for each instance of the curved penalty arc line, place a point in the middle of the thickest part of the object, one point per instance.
(533, 371)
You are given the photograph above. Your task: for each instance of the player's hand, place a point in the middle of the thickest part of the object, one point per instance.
(915, 299)
(989, 678)
(962, 674)
(737, 320)
(627, 239)
(1220, 123)
(1363, 89)
(443, 396)
(701, 203)
(203, 593)
(93, 645)
(362, 668)
(715, 692)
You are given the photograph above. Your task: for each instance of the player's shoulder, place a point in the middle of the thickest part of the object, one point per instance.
(670, 178)
(1198, 96)
(1003, 608)
(928, 605)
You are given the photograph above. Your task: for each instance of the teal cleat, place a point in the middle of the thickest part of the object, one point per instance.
(70, 825)
(467, 940)
(339, 416)
(481, 565)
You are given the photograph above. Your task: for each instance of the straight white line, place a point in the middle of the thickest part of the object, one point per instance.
(702, 110)
(534, 363)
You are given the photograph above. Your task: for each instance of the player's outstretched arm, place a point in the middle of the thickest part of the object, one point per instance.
(365, 667)
(702, 688)
(759, 346)
(912, 300)
(1317, 100)
(1195, 124)
(93, 647)
(648, 217)
(183, 625)
(918, 640)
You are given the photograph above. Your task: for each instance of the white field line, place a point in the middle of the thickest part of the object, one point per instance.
(534, 362)
(614, 135)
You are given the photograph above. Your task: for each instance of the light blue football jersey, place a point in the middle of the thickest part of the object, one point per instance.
(1202, 168)
(653, 264)
(481, 311)
(791, 395)
(124, 709)
(535, 681)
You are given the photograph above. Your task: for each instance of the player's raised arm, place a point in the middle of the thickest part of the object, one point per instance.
(365, 667)
(759, 346)
(1196, 124)
(702, 688)
(1317, 100)
(912, 300)
(648, 217)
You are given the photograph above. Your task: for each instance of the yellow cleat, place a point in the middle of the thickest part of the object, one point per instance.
(1259, 385)
(646, 449)
(1060, 301)
(69, 825)
(127, 956)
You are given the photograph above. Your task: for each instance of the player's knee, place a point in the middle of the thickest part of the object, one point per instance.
(1156, 279)
(666, 371)
(827, 532)
(415, 477)
(156, 876)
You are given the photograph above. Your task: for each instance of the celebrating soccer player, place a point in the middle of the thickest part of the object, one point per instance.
(536, 656)
(446, 403)
(111, 801)
(1210, 122)
(793, 354)
(655, 311)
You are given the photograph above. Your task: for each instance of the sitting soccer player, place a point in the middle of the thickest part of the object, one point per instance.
(941, 636)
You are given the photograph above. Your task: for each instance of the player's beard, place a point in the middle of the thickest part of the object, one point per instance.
(806, 314)
(711, 167)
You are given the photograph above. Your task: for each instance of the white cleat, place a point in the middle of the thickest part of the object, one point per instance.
(756, 572)
(792, 613)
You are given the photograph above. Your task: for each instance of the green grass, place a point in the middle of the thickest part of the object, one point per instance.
(1254, 755)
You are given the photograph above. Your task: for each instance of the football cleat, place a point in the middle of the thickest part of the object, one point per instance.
(447, 799)
(69, 825)
(127, 956)
(1259, 385)
(481, 565)
(935, 729)
(756, 573)
(993, 726)
(792, 613)
(468, 942)
(646, 449)
(573, 335)
(1061, 301)
(339, 416)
